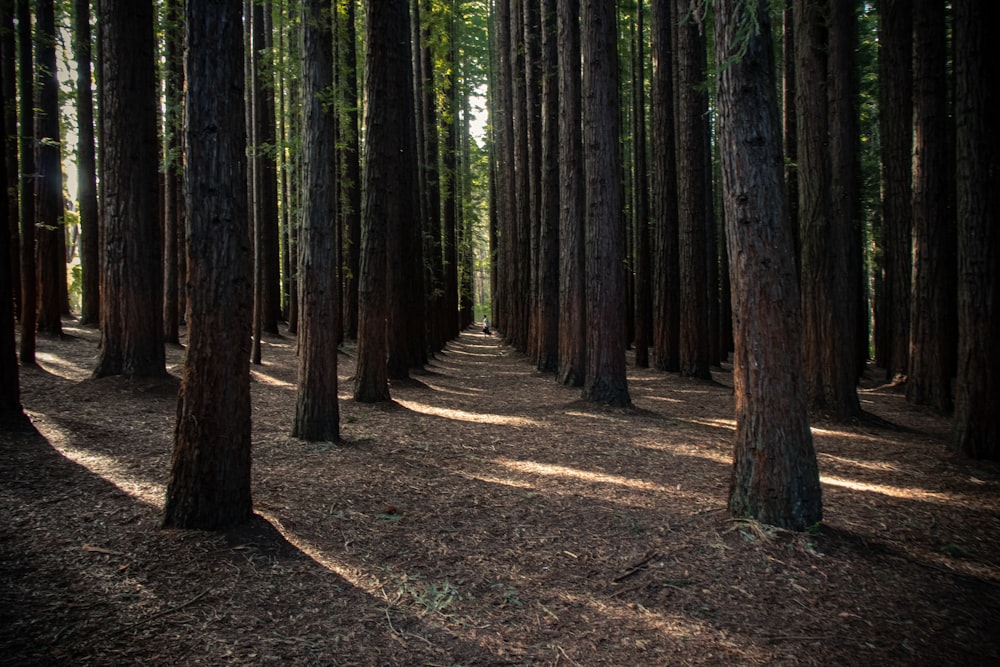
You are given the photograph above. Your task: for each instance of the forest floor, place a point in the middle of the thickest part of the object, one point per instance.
(486, 516)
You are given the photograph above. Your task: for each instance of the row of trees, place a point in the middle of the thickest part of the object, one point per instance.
(357, 219)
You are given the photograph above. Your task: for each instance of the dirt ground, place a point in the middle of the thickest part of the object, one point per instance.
(487, 516)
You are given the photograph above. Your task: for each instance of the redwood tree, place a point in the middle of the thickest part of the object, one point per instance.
(131, 313)
(209, 486)
(90, 249)
(775, 476)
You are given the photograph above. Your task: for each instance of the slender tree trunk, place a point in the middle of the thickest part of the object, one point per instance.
(896, 132)
(977, 97)
(640, 206)
(8, 72)
(350, 185)
(317, 413)
(605, 381)
(209, 486)
(572, 268)
(26, 113)
(790, 135)
(50, 253)
(271, 273)
(775, 476)
(173, 128)
(548, 236)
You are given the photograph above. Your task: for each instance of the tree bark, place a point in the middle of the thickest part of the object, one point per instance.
(775, 476)
(640, 200)
(173, 128)
(548, 225)
(26, 113)
(317, 412)
(209, 486)
(8, 73)
(977, 97)
(605, 380)
(131, 316)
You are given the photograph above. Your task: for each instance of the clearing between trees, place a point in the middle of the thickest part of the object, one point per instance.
(487, 516)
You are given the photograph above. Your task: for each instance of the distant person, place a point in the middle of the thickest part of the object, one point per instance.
(486, 325)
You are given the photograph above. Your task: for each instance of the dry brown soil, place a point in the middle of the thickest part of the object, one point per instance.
(487, 516)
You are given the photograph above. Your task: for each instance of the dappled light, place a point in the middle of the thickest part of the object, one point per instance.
(463, 415)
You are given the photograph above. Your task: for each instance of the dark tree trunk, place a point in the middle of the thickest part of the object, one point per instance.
(692, 190)
(666, 267)
(132, 307)
(640, 201)
(790, 136)
(977, 98)
(8, 72)
(317, 413)
(450, 193)
(775, 476)
(270, 263)
(828, 338)
(90, 242)
(572, 303)
(386, 197)
(50, 251)
(531, 28)
(605, 380)
(173, 118)
(548, 235)
(933, 298)
(350, 184)
(502, 241)
(896, 132)
(26, 113)
(209, 486)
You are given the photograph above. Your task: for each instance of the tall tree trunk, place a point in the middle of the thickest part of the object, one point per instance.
(317, 413)
(666, 267)
(209, 486)
(173, 118)
(775, 475)
(271, 274)
(26, 113)
(691, 196)
(790, 135)
(50, 251)
(132, 308)
(8, 73)
(350, 184)
(605, 381)
(977, 97)
(933, 297)
(572, 267)
(829, 354)
(548, 235)
(90, 254)
(531, 29)
(640, 205)
(896, 131)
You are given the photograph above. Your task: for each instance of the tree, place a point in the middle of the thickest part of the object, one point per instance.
(209, 486)
(50, 249)
(132, 307)
(933, 290)
(775, 475)
(640, 198)
(8, 72)
(173, 196)
(666, 273)
(572, 266)
(548, 235)
(387, 196)
(828, 332)
(605, 380)
(26, 198)
(977, 95)
(90, 249)
(692, 193)
(350, 178)
(895, 37)
(317, 413)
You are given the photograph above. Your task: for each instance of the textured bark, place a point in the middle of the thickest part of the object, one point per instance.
(132, 282)
(605, 381)
(933, 296)
(531, 30)
(790, 136)
(209, 486)
(977, 97)
(666, 267)
(828, 350)
(26, 114)
(90, 253)
(896, 132)
(431, 222)
(8, 74)
(516, 331)
(450, 192)
(775, 476)
(385, 196)
(50, 232)
(350, 184)
(548, 235)
(640, 200)
(692, 105)
(317, 412)
(173, 199)
(572, 266)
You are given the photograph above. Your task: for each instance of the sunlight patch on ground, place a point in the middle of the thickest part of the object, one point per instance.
(62, 368)
(548, 470)
(270, 380)
(106, 467)
(462, 415)
(490, 479)
(903, 492)
(728, 424)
